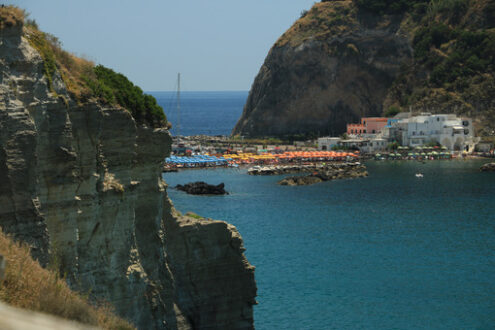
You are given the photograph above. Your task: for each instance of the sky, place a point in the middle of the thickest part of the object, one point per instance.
(216, 45)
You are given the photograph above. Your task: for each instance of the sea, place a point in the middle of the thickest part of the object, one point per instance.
(390, 251)
(202, 113)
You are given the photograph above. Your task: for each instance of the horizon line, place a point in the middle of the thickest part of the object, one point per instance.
(195, 91)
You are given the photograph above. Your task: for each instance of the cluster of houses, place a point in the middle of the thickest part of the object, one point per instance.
(374, 134)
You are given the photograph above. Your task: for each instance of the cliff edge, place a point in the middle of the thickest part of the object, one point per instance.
(80, 182)
(343, 60)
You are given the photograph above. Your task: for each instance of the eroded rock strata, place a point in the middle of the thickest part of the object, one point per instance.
(81, 184)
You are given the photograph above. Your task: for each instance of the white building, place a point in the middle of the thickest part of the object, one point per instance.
(369, 145)
(326, 143)
(373, 145)
(448, 130)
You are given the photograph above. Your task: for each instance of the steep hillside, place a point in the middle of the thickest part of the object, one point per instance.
(346, 59)
(81, 152)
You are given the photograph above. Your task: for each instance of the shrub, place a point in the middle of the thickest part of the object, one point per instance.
(11, 16)
(112, 87)
(392, 111)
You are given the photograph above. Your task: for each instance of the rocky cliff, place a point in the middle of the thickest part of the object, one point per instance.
(80, 182)
(343, 60)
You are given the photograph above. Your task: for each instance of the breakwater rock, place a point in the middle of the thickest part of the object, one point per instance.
(202, 188)
(300, 168)
(80, 182)
(489, 167)
(350, 170)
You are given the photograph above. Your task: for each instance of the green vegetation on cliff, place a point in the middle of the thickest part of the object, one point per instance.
(454, 55)
(113, 87)
(82, 78)
(454, 60)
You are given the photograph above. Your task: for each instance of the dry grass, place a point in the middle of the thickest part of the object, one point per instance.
(323, 19)
(75, 71)
(11, 16)
(27, 285)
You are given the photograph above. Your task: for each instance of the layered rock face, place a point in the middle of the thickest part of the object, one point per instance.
(81, 184)
(317, 80)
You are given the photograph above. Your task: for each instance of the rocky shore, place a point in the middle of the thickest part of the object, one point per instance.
(488, 167)
(327, 173)
(301, 168)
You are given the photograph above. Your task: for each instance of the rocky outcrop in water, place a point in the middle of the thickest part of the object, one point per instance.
(488, 167)
(327, 173)
(202, 188)
(81, 184)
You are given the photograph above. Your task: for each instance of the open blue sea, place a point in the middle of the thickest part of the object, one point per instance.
(203, 113)
(389, 251)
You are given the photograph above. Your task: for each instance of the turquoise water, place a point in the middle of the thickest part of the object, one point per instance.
(385, 252)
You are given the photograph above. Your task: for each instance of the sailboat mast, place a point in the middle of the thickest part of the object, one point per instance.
(178, 104)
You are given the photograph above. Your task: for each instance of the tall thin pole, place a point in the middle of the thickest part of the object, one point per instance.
(178, 104)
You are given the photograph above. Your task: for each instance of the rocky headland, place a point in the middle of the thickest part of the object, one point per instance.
(343, 60)
(81, 184)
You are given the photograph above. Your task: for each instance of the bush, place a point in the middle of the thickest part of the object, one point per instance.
(112, 87)
(392, 111)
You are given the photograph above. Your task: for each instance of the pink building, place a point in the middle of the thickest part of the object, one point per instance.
(368, 125)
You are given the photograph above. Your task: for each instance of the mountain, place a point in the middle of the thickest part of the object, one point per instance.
(343, 60)
(81, 155)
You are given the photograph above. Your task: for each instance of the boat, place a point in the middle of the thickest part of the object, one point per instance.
(419, 175)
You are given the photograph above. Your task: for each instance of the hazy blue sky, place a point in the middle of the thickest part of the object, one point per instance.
(216, 44)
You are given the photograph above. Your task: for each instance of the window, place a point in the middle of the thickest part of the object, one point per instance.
(466, 132)
(438, 118)
(373, 131)
(364, 131)
(414, 133)
(465, 123)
